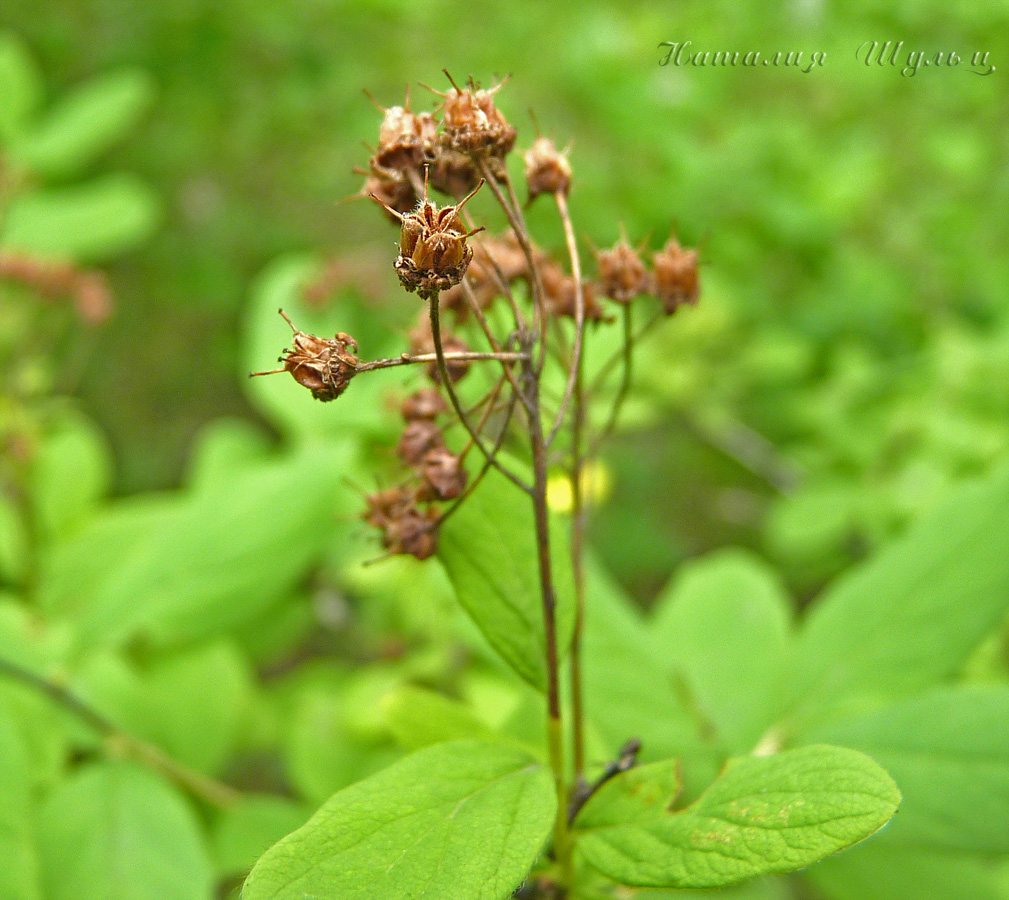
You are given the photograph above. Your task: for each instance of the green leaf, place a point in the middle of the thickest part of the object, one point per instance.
(71, 470)
(194, 565)
(116, 832)
(249, 828)
(724, 623)
(763, 815)
(86, 122)
(640, 794)
(19, 872)
(488, 548)
(877, 871)
(15, 547)
(628, 689)
(458, 821)
(169, 704)
(911, 616)
(21, 89)
(418, 718)
(949, 752)
(84, 223)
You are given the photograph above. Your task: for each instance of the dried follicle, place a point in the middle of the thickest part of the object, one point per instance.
(675, 276)
(621, 273)
(433, 248)
(419, 438)
(427, 403)
(405, 528)
(561, 295)
(547, 169)
(404, 137)
(472, 122)
(323, 365)
(444, 476)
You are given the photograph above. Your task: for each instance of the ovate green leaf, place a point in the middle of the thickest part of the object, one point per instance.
(86, 223)
(117, 832)
(488, 548)
(724, 624)
(84, 123)
(19, 864)
(910, 616)
(763, 815)
(458, 821)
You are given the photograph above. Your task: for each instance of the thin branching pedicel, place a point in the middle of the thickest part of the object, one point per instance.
(550, 314)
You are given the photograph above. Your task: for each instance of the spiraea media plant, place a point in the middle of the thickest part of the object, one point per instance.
(529, 358)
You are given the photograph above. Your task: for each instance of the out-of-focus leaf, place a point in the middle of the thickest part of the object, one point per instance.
(192, 566)
(488, 548)
(71, 471)
(84, 123)
(20, 91)
(114, 831)
(459, 821)
(247, 830)
(763, 815)
(86, 223)
(14, 544)
(949, 752)
(912, 615)
(880, 871)
(418, 718)
(19, 872)
(724, 623)
(169, 704)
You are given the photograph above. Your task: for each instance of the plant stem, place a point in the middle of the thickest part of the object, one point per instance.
(199, 785)
(555, 729)
(433, 307)
(625, 381)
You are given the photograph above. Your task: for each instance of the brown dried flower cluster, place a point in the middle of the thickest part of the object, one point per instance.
(323, 365)
(433, 248)
(452, 150)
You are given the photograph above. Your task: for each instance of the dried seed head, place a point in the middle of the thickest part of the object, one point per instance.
(547, 169)
(622, 275)
(414, 533)
(433, 248)
(559, 290)
(473, 124)
(443, 474)
(452, 172)
(323, 365)
(427, 403)
(393, 190)
(387, 506)
(405, 529)
(419, 437)
(675, 276)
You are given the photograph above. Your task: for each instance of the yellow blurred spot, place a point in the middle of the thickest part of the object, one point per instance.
(597, 485)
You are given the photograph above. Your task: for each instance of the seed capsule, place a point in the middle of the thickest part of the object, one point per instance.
(621, 273)
(675, 276)
(323, 365)
(547, 169)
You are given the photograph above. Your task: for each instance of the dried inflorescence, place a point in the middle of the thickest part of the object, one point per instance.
(323, 365)
(433, 248)
(547, 169)
(441, 259)
(473, 124)
(621, 274)
(675, 276)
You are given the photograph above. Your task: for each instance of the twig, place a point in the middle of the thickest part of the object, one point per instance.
(205, 788)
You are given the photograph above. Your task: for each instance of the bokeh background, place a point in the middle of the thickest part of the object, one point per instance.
(848, 362)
